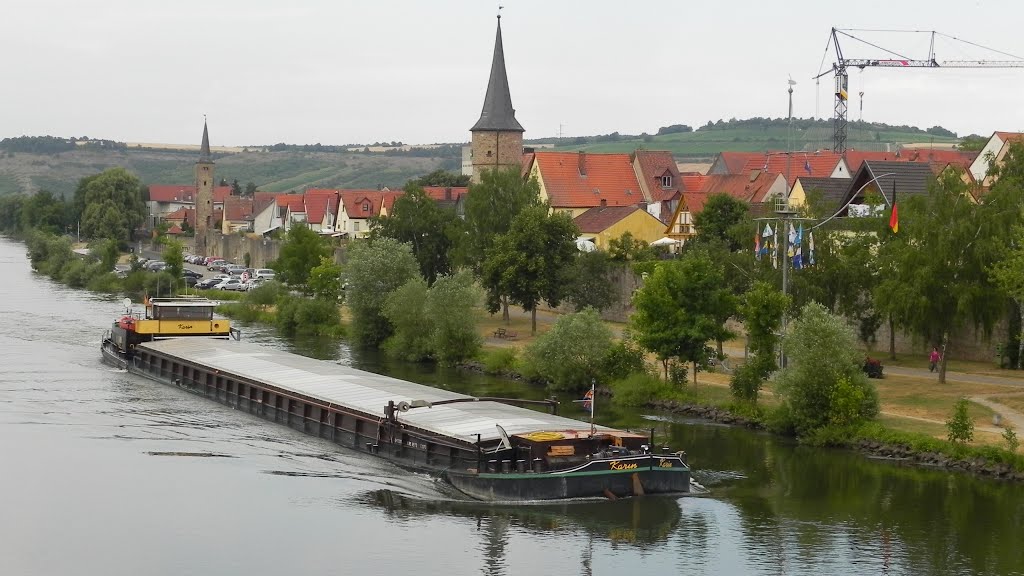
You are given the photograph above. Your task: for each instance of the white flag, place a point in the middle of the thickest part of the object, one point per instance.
(768, 232)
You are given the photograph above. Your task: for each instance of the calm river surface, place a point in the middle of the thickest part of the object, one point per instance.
(107, 473)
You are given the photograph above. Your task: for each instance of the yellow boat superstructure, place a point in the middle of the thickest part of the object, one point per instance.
(181, 317)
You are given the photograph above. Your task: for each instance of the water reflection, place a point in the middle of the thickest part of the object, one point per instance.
(639, 522)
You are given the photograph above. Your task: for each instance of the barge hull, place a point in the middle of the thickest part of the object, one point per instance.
(307, 395)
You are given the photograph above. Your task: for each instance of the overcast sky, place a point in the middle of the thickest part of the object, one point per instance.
(342, 71)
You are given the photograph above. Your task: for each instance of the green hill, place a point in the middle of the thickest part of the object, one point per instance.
(59, 172)
(755, 135)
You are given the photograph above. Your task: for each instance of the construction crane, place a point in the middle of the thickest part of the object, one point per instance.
(892, 60)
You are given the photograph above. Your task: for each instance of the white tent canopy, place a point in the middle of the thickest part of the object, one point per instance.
(585, 244)
(666, 241)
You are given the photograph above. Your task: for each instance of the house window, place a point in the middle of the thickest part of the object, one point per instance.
(666, 181)
(366, 207)
(355, 226)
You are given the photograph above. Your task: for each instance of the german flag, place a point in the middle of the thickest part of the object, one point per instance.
(894, 219)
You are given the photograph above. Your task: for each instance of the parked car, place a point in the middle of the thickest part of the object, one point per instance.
(215, 264)
(230, 284)
(209, 283)
(254, 283)
(189, 280)
(191, 273)
(156, 265)
(234, 270)
(264, 273)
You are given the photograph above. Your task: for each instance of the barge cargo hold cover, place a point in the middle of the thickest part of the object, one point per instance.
(487, 449)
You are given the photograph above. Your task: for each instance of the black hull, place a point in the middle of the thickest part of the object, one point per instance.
(593, 481)
(113, 356)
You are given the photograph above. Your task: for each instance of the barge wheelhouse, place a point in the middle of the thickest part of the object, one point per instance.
(487, 449)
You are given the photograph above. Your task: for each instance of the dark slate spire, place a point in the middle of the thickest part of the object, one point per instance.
(498, 114)
(204, 149)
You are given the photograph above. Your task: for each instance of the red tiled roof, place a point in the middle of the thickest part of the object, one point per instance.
(440, 193)
(734, 162)
(320, 201)
(1004, 136)
(607, 177)
(653, 165)
(854, 158)
(238, 209)
(596, 220)
(821, 164)
(388, 198)
(261, 200)
(181, 214)
(174, 229)
(294, 202)
(693, 182)
(694, 202)
(183, 193)
(743, 187)
(361, 203)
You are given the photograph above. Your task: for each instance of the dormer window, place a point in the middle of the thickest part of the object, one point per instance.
(366, 206)
(666, 181)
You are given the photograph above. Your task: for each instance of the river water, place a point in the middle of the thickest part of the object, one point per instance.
(107, 473)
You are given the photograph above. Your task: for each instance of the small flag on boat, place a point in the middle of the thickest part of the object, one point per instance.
(588, 400)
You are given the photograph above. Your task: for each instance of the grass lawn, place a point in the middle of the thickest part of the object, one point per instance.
(966, 366)
(1012, 401)
(925, 399)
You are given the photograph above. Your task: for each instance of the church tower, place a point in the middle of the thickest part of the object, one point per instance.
(497, 135)
(204, 195)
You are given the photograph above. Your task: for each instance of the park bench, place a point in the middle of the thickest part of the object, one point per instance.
(503, 333)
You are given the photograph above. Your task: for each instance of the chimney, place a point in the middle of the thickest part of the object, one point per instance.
(582, 163)
(604, 202)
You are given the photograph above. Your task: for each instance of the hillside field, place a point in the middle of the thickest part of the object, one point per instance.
(271, 171)
(707, 143)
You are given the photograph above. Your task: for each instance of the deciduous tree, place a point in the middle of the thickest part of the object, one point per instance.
(302, 250)
(426, 226)
(111, 205)
(374, 269)
(530, 262)
(677, 308)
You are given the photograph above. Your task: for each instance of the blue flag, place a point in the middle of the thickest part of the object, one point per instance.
(807, 166)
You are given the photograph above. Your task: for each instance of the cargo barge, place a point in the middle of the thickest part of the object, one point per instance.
(487, 449)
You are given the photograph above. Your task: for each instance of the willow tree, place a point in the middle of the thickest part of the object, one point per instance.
(936, 280)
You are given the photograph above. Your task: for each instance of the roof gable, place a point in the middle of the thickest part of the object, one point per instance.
(794, 165)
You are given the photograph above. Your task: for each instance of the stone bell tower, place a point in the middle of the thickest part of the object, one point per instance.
(204, 195)
(497, 135)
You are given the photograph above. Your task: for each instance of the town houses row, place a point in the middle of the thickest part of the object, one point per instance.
(643, 193)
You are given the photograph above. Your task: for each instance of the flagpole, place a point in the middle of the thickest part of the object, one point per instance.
(593, 405)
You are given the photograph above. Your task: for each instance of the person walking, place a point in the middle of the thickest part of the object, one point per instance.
(933, 359)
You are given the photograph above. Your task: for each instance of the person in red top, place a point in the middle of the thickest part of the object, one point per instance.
(933, 359)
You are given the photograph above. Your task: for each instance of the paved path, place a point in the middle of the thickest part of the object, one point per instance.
(956, 376)
(1011, 418)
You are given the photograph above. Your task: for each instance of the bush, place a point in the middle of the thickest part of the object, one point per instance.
(107, 282)
(746, 380)
(296, 315)
(76, 273)
(623, 359)
(451, 308)
(1010, 438)
(500, 360)
(569, 355)
(640, 389)
(160, 284)
(824, 382)
(265, 295)
(404, 309)
(373, 271)
(960, 426)
(677, 375)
